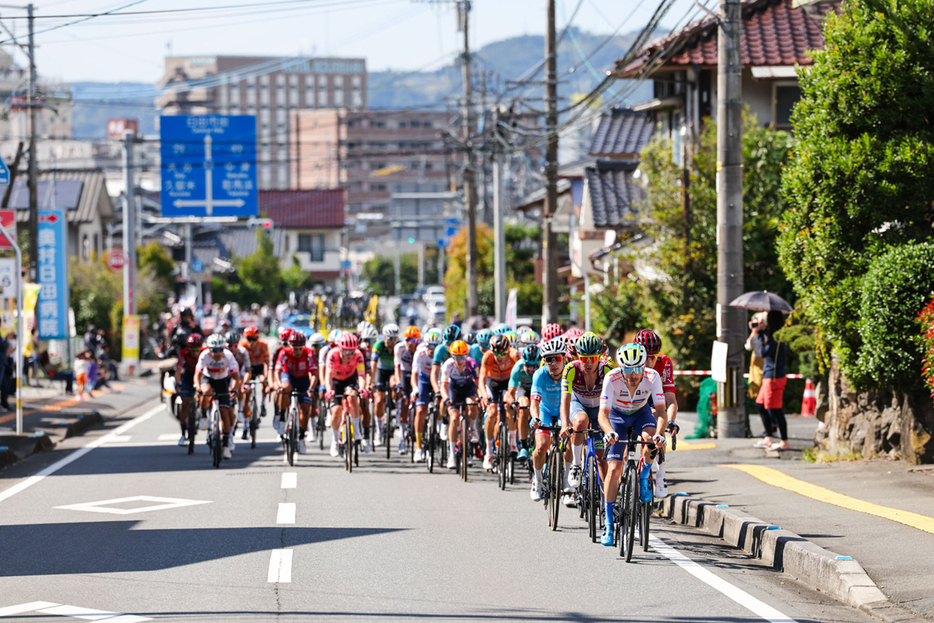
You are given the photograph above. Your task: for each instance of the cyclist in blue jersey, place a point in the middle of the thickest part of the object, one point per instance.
(476, 351)
(520, 390)
(459, 385)
(546, 407)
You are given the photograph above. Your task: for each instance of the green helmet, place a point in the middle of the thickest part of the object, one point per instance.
(589, 344)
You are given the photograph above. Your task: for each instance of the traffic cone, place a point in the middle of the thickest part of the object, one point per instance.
(809, 403)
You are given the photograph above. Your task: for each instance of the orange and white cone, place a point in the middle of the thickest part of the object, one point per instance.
(809, 404)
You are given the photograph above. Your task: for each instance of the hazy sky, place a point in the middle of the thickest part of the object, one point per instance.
(398, 34)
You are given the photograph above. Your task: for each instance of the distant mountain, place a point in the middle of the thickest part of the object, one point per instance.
(589, 55)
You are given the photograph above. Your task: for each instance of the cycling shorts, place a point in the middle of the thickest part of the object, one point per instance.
(221, 389)
(592, 412)
(425, 391)
(638, 422)
(524, 391)
(382, 379)
(496, 389)
(186, 388)
(407, 384)
(458, 395)
(339, 386)
(257, 371)
(301, 384)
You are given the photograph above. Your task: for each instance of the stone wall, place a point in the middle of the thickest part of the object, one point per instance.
(877, 423)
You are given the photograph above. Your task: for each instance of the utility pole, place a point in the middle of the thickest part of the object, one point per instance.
(32, 173)
(730, 321)
(549, 240)
(499, 233)
(470, 181)
(129, 227)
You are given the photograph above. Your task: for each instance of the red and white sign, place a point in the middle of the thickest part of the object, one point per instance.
(116, 260)
(117, 127)
(8, 220)
(248, 320)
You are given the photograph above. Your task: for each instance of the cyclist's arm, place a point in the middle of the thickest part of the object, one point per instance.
(565, 409)
(374, 364)
(604, 418)
(535, 409)
(481, 384)
(197, 378)
(435, 373)
(671, 402)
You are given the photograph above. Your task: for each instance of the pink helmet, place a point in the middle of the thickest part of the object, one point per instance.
(551, 331)
(349, 342)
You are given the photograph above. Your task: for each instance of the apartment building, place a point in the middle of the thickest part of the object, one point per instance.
(273, 89)
(53, 120)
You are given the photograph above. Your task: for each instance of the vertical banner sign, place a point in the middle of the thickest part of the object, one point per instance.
(8, 220)
(52, 256)
(512, 306)
(131, 339)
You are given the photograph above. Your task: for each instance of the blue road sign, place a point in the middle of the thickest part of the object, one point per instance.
(52, 256)
(4, 174)
(197, 265)
(451, 231)
(453, 221)
(208, 165)
(443, 243)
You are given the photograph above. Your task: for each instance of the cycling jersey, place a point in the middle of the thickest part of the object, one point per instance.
(616, 396)
(519, 376)
(187, 360)
(403, 358)
(226, 367)
(242, 356)
(547, 392)
(496, 371)
(476, 353)
(422, 360)
(666, 370)
(299, 366)
(441, 355)
(459, 379)
(572, 382)
(383, 355)
(323, 356)
(258, 351)
(341, 371)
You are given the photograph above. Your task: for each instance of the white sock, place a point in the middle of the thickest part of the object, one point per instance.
(513, 436)
(334, 436)
(659, 472)
(489, 447)
(357, 427)
(538, 477)
(567, 468)
(452, 447)
(578, 453)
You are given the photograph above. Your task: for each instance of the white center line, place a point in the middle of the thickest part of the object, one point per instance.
(735, 593)
(280, 566)
(286, 513)
(289, 480)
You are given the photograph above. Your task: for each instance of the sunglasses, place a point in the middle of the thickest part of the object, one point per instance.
(253, 339)
(411, 340)
(498, 355)
(346, 351)
(632, 369)
(217, 350)
(459, 357)
(554, 359)
(589, 358)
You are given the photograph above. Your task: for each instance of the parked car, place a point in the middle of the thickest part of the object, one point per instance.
(300, 322)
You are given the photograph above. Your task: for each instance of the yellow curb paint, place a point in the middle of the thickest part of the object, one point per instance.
(695, 446)
(783, 481)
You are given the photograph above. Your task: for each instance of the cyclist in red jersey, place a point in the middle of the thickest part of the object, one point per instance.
(185, 379)
(297, 367)
(652, 342)
(345, 374)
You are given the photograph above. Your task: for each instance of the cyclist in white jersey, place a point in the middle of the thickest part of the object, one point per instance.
(215, 369)
(403, 354)
(632, 398)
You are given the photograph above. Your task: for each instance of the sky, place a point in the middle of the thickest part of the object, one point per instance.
(389, 34)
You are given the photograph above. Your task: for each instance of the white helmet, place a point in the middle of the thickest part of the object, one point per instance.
(368, 333)
(433, 338)
(391, 331)
(362, 325)
(631, 355)
(316, 339)
(552, 347)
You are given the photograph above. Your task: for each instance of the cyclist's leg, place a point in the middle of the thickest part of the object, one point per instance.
(454, 416)
(539, 456)
(523, 416)
(614, 456)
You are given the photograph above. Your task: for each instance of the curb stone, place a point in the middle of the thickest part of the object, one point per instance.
(841, 577)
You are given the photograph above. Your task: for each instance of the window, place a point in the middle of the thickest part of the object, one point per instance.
(313, 244)
(786, 95)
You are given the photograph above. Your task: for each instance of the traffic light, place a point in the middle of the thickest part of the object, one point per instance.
(260, 223)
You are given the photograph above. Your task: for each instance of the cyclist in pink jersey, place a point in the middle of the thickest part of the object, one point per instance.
(345, 367)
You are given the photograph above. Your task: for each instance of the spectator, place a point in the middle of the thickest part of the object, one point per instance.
(755, 377)
(81, 367)
(55, 373)
(769, 399)
(456, 319)
(265, 314)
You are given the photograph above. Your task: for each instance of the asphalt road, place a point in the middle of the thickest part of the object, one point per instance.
(130, 528)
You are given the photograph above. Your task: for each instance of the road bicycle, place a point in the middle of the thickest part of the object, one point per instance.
(319, 413)
(215, 433)
(191, 427)
(291, 434)
(590, 496)
(434, 438)
(553, 475)
(256, 406)
(504, 458)
(464, 445)
(386, 433)
(631, 513)
(348, 447)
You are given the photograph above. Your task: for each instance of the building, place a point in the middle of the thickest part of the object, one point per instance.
(372, 154)
(425, 217)
(271, 88)
(53, 120)
(312, 222)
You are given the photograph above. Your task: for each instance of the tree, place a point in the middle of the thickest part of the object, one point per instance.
(154, 258)
(380, 272)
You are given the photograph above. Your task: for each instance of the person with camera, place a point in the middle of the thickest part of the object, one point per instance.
(769, 399)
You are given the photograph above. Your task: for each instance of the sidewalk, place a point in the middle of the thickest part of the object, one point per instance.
(880, 512)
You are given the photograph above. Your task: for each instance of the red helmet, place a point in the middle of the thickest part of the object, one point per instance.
(574, 332)
(551, 331)
(195, 340)
(349, 341)
(297, 338)
(650, 341)
(251, 332)
(283, 333)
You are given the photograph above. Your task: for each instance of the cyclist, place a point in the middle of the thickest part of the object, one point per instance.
(297, 368)
(185, 379)
(661, 364)
(383, 368)
(494, 381)
(551, 331)
(581, 387)
(451, 334)
(242, 355)
(282, 343)
(458, 386)
(520, 389)
(345, 375)
(482, 345)
(546, 407)
(631, 394)
(422, 368)
(367, 338)
(258, 352)
(186, 326)
(403, 354)
(215, 370)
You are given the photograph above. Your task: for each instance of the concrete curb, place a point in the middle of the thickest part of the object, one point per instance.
(162, 366)
(841, 577)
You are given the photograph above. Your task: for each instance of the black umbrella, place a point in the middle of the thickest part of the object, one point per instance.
(762, 301)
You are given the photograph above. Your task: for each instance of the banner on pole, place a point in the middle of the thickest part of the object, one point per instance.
(512, 306)
(131, 339)
(52, 257)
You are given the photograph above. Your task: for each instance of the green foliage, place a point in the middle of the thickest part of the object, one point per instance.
(380, 272)
(618, 311)
(295, 278)
(808, 350)
(926, 320)
(862, 176)
(154, 258)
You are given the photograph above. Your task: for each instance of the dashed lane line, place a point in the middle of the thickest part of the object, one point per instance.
(280, 566)
(781, 480)
(289, 480)
(286, 514)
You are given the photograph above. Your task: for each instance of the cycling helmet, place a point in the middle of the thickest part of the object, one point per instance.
(433, 338)
(282, 333)
(521, 330)
(458, 348)
(362, 325)
(195, 340)
(233, 337)
(531, 355)
(251, 332)
(499, 344)
(452, 333)
(589, 345)
(574, 332)
(297, 339)
(552, 347)
(317, 339)
(216, 340)
(369, 333)
(471, 338)
(650, 341)
(334, 336)
(349, 341)
(551, 331)
(483, 337)
(185, 311)
(412, 332)
(529, 337)
(391, 331)
(502, 329)
(631, 355)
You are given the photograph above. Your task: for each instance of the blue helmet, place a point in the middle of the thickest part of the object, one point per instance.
(452, 333)
(531, 356)
(483, 337)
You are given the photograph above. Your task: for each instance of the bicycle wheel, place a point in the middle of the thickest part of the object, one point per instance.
(387, 434)
(646, 510)
(292, 433)
(629, 535)
(218, 443)
(511, 469)
(319, 419)
(593, 497)
(254, 416)
(192, 425)
(432, 440)
(557, 478)
(465, 442)
(348, 444)
(501, 455)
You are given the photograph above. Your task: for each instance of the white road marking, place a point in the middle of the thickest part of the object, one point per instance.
(77, 454)
(86, 614)
(286, 513)
(162, 504)
(735, 593)
(27, 607)
(127, 618)
(280, 566)
(289, 480)
(122, 438)
(164, 437)
(145, 444)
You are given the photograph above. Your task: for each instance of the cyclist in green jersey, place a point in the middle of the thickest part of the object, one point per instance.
(382, 369)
